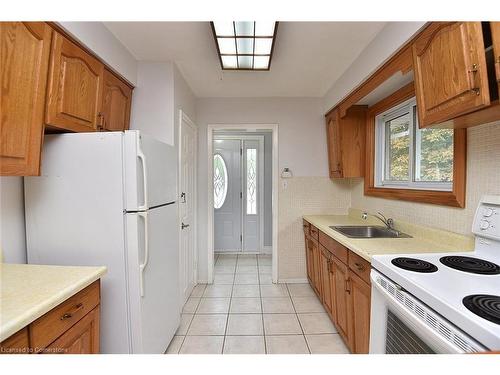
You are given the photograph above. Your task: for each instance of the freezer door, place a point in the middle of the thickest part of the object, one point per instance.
(155, 310)
(150, 171)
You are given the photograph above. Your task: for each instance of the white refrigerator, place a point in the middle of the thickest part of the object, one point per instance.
(110, 199)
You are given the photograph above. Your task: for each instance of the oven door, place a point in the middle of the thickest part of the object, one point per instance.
(401, 324)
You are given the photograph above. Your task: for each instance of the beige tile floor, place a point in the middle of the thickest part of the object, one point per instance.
(244, 313)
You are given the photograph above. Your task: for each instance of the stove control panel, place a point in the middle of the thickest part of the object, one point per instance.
(487, 218)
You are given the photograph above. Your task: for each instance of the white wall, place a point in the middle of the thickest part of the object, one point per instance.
(12, 229)
(153, 101)
(302, 148)
(104, 44)
(381, 48)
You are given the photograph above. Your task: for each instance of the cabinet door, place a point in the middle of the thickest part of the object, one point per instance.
(24, 64)
(326, 295)
(309, 259)
(316, 267)
(82, 338)
(117, 97)
(450, 71)
(495, 34)
(342, 292)
(75, 88)
(334, 145)
(359, 313)
(333, 289)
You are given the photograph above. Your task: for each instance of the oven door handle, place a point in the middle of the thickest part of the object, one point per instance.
(438, 342)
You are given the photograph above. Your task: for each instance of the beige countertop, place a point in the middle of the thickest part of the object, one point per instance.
(424, 240)
(27, 291)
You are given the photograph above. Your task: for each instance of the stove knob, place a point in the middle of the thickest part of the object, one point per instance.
(484, 224)
(487, 212)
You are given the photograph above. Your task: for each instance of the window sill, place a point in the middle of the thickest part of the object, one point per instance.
(445, 198)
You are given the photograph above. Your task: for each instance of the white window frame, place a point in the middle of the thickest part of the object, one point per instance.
(381, 163)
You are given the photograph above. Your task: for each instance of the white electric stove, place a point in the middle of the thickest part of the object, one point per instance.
(440, 302)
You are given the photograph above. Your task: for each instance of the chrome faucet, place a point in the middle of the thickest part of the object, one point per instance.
(388, 222)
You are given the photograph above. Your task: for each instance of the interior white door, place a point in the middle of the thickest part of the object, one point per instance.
(187, 207)
(227, 195)
(252, 156)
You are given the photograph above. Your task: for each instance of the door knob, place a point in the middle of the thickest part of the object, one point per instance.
(184, 226)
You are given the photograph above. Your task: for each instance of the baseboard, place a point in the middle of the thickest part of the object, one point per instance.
(293, 281)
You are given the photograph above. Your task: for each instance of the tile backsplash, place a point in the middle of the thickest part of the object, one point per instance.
(304, 196)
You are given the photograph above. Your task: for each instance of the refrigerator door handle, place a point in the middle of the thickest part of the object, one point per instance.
(143, 265)
(142, 158)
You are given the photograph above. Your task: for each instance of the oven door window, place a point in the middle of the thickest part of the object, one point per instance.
(400, 339)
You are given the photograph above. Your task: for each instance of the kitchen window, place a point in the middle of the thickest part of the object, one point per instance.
(405, 162)
(408, 157)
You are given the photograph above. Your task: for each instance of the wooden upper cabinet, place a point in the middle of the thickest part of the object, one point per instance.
(75, 88)
(333, 143)
(117, 97)
(495, 35)
(25, 51)
(346, 142)
(450, 71)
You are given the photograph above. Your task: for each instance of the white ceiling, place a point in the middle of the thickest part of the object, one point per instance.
(308, 56)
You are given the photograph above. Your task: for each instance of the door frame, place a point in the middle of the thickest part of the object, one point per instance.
(210, 188)
(260, 139)
(183, 117)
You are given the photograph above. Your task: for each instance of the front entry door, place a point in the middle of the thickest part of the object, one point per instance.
(227, 195)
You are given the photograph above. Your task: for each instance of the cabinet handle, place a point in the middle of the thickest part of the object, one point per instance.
(348, 285)
(472, 80)
(70, 313)
(359, 266)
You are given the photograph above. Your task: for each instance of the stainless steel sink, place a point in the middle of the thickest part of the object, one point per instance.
(368, 231)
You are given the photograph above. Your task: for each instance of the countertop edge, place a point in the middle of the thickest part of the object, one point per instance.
(36, 312)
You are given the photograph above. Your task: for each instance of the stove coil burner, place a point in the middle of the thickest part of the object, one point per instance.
(472, 265)
(484, 305)
(416, 265)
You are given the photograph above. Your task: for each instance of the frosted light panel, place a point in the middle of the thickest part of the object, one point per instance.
(263, 46)
(227, 46)
(264, 28)
(244, 28)
(245, 62)
(224, 28)
(261, 62)
(245, 46)
(229, 62)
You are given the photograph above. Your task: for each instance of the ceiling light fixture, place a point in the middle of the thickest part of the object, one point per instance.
(245, 45)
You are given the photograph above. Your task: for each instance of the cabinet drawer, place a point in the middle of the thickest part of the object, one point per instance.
(359, 266)
(49, 327)
(306, 227)
(333, 246)
(314, 232)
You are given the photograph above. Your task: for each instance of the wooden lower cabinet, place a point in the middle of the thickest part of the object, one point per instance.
(316, 265)
(342, 292)
(82, 338)
(72, 327)
(343, 286)
(359, 313)
(326, 282)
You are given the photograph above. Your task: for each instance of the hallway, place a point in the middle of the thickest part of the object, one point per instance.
(244, 313)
